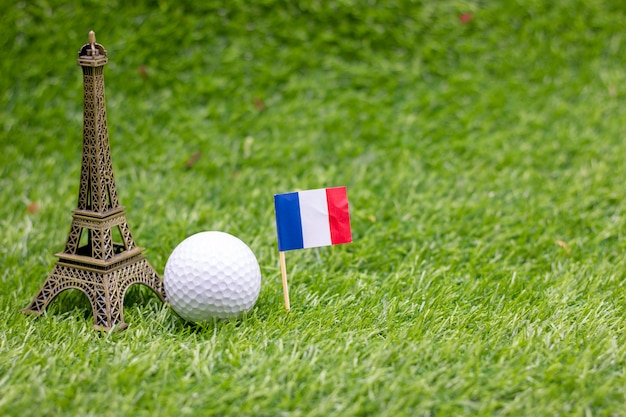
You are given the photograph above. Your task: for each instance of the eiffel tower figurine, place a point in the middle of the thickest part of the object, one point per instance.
(98, 261)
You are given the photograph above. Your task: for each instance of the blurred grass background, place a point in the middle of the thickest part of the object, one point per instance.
(482, 144)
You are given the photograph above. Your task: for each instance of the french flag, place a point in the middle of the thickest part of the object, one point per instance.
(312, 218)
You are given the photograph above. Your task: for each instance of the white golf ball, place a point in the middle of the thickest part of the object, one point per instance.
(211, 274)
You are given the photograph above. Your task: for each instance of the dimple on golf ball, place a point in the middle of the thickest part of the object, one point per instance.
(211, 275)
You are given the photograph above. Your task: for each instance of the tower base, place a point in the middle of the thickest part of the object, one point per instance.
(104, 284)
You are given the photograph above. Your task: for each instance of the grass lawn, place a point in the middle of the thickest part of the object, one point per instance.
(483, 147)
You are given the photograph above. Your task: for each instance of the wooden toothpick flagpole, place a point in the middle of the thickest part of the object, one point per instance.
(283, 271)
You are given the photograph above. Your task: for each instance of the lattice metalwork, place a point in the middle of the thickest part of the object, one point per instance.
(98, 266)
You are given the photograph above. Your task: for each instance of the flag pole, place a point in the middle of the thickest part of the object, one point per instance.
(283, 271)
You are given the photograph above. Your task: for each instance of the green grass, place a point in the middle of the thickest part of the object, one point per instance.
(485, 169)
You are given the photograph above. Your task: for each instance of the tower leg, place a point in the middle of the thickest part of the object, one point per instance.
(142, 273)
(108, 308)
(38, 305)
(56, 282)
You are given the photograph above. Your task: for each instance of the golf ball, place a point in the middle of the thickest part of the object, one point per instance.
(211, 275)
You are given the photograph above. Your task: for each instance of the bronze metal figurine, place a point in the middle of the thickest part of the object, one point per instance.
(93, 261)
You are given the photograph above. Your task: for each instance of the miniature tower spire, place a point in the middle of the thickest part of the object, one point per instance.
(100, 257)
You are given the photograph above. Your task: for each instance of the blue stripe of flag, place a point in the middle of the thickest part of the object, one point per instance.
(288, 221)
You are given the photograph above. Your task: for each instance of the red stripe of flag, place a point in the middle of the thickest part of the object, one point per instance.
(338, 215)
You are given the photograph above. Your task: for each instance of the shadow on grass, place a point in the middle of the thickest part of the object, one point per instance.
(69, 303)
(140, 300)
